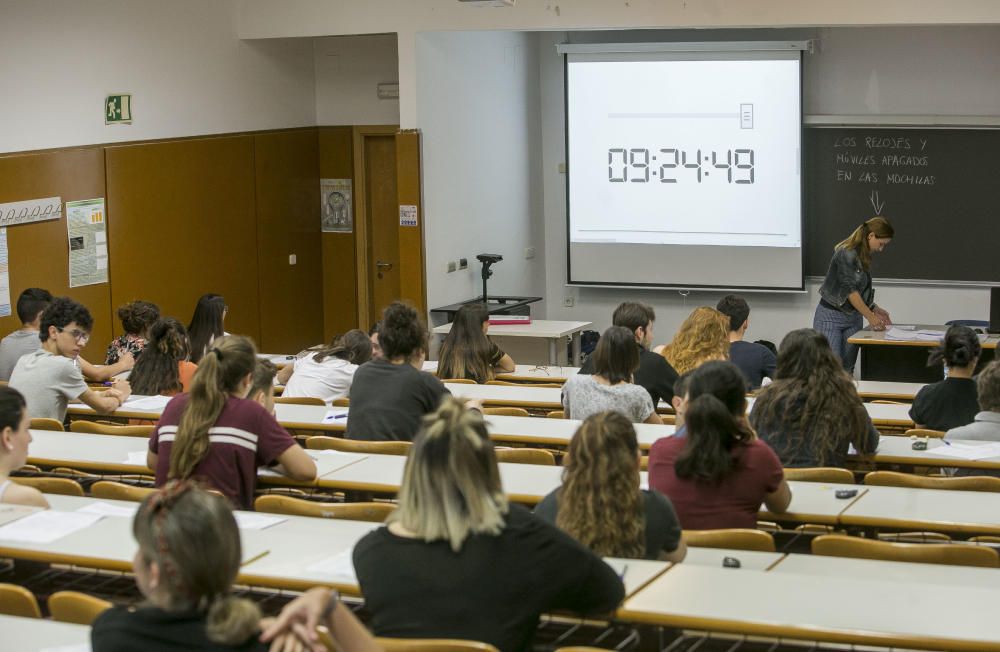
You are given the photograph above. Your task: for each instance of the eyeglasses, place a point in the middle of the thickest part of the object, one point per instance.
(80, 336)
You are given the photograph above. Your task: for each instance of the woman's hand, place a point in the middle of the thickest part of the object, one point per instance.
(875, 322)
(295, 626)
(883, 314)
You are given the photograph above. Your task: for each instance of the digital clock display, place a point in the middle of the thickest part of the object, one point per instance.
(669, 165)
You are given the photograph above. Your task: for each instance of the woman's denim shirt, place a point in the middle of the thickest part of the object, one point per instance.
(844, 276)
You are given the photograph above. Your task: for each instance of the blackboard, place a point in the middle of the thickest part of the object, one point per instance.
(940, 188)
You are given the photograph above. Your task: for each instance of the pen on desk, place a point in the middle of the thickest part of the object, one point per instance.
(946, 442)
(341, 416)
(621, 575)
(256, 557)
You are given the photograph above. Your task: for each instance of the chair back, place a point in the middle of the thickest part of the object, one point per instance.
(109, 490)
(359, 446)
(957, 554)
(98, 428)
(525, 456)
(556, 414)
(61, 486)
(18, 601)
(75, 607)
(735, 538)
(507, 382)
(43, 423)
(459, 381)
(896, 479)
(886, 401)
(506, 411)
(432, 645)
(371, 512)
(821, 474)
(299, 400)
(924, 432)
(341, 402)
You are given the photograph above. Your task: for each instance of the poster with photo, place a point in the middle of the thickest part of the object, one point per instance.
(88, 243)
(337, 205)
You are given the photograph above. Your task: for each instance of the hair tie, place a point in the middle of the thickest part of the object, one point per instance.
(218, 354)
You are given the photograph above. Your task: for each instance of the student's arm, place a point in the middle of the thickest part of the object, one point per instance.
(285, 373)
(21, 495)
(647, 404)
(104, 402)
(677, 555)
(778, 501)
(299, 619)
(101, 373)
(296, 464)
(654, 418)
(506, 364)
(868, 441)
(151, 459)
(876, 322)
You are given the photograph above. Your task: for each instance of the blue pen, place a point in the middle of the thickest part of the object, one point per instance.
(946, 442)
(341, 416)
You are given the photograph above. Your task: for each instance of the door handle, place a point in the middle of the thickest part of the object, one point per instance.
(383, 266)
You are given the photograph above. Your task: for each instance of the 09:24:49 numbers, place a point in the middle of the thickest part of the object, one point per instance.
(738, 163)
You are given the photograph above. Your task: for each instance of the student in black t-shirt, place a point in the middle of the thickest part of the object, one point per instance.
(654, 374)
(755, 361)
(952, 402)
(457, 561)
(467, 352)
(189, 554)
(391, 393)
(600, 504)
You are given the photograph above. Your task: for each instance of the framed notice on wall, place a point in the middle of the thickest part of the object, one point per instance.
(336, 207)
(88, 242)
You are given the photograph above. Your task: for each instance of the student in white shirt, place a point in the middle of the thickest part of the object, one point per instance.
(327, 373)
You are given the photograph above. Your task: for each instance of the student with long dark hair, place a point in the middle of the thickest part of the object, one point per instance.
(206, 324)
(610, 387)
(217, 435)
(456, 560)
(847, 296)
(137, 317)
(812, 413)
(951, 402)
(14, 440)
(467, 352)
(600, 503)
(327, 372)
(718, 475)
(391, 394)
(164, 367)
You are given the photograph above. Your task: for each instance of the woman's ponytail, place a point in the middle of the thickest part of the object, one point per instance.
(231, 621)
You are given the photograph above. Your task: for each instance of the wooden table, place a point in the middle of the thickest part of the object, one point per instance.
(525, 373)
(553, 331)
(906, 360)
(936, 510)
(37, 634)
(888, 390)
(899, 450)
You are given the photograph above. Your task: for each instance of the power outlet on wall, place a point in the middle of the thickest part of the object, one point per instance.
(463, 263)
(451, 266)
(568, 302)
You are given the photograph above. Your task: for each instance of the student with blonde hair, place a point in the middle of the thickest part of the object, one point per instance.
(219, 436)
(456, 560)
(14, 440)
(703, 336)
(847, 296)
(600, 503)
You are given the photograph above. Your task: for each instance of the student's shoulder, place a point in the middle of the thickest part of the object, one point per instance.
(759, 450)
(19, 494)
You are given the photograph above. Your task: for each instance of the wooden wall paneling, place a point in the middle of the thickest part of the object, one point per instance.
(288, 223)
(39, 252)
(340, 282)
(183, 223)
(413, 284)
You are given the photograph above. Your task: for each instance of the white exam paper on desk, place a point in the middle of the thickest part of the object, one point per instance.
(136, 458)
(47, 526)
(254, 521)
(969, 451)
(107, 509)
(79, 647)
(339, 566)
(909, 333)
(147, 402)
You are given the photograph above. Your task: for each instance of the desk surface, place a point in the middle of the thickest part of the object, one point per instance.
(860, 610)
(927, 576)
(537, 328)
(39, 634)
(870, 337)
(893, 391)
(964, 512)
(899, 450)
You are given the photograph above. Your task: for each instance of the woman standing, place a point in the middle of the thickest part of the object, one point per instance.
(847, 295)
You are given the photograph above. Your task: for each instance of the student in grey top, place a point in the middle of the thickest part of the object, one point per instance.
(49, 377)
(30, 306)
(986, 426)
(610, 387)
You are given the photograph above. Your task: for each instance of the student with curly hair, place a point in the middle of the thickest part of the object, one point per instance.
(951, 402)
(164, 367)
(391, 394)
(703, 336)
(812, 413)
(326, 372)
(467, 352)
(137, 318)
(600, 504)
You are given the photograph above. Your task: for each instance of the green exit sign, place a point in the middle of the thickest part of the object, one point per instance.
(118, 109)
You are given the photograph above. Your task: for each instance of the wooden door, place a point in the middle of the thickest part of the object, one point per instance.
(382, 222)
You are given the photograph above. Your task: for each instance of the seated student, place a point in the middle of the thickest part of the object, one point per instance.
(14, 440)
(262, 384)
(373, 336)
(389, 395)
(719, 473)
(188, 557)
(986, 424)
(207, 323)
(679, 403)
(600, 504)
(327, 372)
(457, 561)
(467, 352)
(755, 361)
(610, 386)
(654, 374)
(951, 402)
(164, 367)
(49, 378)
(812, 412)
(137, 317)
(30, 306)
(217, 435)
(703, 336)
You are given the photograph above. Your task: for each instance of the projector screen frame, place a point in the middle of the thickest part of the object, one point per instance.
(565, 49)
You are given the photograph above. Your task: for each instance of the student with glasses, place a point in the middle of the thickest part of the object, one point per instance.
(50, 377)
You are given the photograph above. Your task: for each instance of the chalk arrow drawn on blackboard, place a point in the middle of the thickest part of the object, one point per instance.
(876, 204)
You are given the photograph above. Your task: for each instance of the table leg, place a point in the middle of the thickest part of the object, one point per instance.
(577, 345)
(554, 351)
